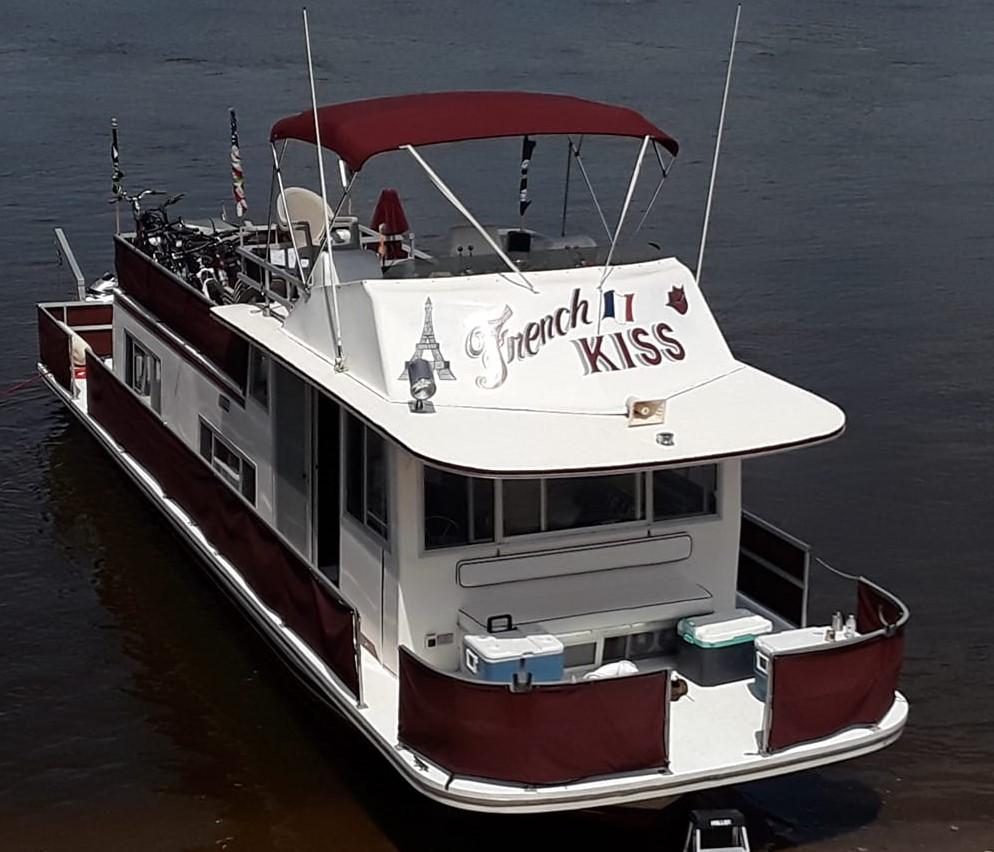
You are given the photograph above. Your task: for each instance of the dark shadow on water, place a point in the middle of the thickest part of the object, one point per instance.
(282, 770)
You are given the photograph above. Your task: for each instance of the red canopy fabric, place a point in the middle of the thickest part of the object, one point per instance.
(359, 130)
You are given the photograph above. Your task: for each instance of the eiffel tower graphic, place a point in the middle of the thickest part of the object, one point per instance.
(429, 344)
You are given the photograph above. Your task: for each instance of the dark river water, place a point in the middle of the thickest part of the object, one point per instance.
(852, 252)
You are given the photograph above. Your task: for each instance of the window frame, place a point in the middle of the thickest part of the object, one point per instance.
(665, 519)
(380, 528)
(245, 479)
(642, 505)
(260, 364)
(648, 523)
(470, 507)
(151, 372)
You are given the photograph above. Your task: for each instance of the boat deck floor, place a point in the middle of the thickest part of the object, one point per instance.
(715, 733)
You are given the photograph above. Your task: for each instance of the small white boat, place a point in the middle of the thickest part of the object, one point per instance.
(485, 498)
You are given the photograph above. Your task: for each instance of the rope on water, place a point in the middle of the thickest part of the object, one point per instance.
(20, 385)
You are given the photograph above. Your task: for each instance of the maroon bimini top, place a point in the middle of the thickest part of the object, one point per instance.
(359, 130)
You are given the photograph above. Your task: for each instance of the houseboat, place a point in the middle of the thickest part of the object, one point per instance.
(483, 497)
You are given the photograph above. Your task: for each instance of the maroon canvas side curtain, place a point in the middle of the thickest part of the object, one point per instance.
(183, 310)
(284, 583)
(89, 320)
(550, 734)
(818, 693)
(53, 348)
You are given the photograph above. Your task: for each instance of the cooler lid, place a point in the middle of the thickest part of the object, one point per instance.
(723, 628)
(790, 640)
(512, 645)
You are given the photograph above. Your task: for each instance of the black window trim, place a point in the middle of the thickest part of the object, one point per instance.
(244, 461)
(134, 346)
(647, 520)
(380, 528)
(470, 510)
(253, 373)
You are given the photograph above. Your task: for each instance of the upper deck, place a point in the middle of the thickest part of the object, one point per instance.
(533, 349)
(542, 381)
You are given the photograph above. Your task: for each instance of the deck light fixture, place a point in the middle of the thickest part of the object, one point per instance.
(422, 379)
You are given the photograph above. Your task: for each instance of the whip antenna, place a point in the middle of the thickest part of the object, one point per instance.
(717, 147)
(324, 199)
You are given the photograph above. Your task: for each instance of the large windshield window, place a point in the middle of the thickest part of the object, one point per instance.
(460, 510)
(540, 505)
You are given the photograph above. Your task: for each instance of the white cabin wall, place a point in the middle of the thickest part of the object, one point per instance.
(186, 395)
(715, 557)
(430, 596)
(368, 565)
(360, 577)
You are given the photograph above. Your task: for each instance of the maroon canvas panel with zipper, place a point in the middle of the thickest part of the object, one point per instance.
(550, 734)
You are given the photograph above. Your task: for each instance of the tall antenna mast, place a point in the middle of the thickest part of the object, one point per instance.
(324, 199)
(717, 148)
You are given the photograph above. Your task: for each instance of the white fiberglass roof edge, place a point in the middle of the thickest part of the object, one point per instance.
(744, 412)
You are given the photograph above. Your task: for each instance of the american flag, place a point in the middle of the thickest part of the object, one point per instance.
(237, 175)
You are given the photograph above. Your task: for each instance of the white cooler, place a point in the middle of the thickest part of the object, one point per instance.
(788, 640)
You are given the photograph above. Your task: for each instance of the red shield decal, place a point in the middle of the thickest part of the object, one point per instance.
(678, 300)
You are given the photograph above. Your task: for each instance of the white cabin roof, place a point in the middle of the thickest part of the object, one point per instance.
(530, 383)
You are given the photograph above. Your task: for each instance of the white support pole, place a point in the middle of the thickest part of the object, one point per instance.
(717, 148)
(664, 173)
(346, 196)
(621, 220)
(451, 197)
(286, 212)
(324, 199)
(624, 208)
(343, 176)
(590, 189)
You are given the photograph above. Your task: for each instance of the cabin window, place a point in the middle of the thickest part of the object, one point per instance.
(229, 464)
(458, 509)
(143, 372)
(540, 505)
(365, 475)
(258, 376)
(579, 655)
(685, 491)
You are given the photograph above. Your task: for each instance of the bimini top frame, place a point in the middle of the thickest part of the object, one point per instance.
(359, 130)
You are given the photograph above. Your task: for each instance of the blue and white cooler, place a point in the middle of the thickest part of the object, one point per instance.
(497, 657)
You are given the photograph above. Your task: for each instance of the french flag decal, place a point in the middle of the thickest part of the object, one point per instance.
(620, 306)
